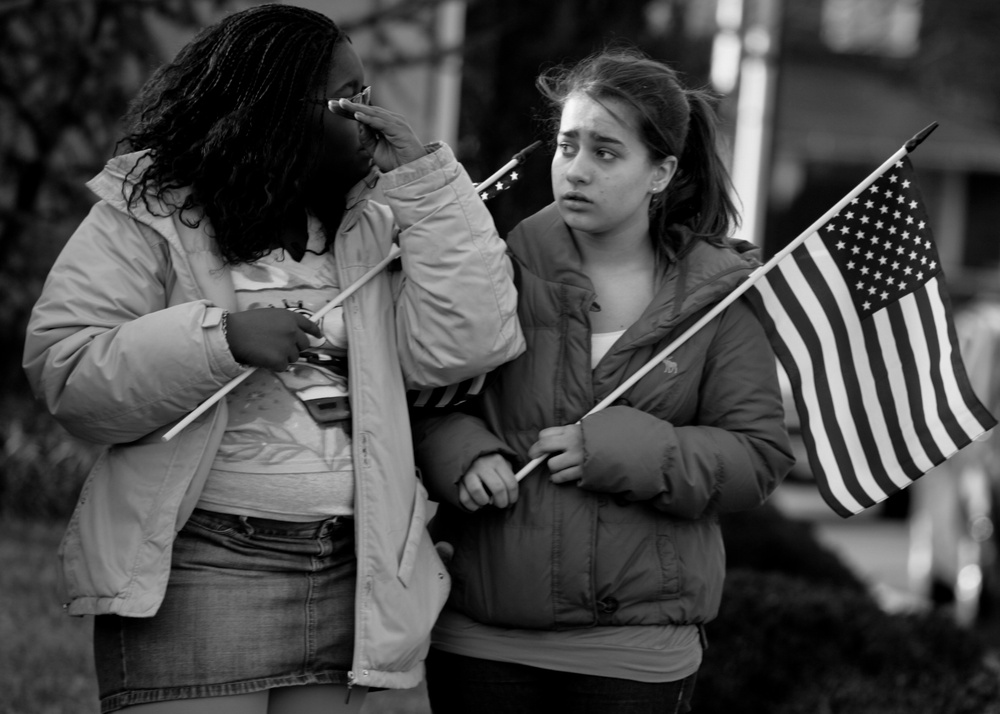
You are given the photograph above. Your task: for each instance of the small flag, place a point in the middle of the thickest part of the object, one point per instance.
(501, 185)
(860, 319)
(450, 396)
(456, 394)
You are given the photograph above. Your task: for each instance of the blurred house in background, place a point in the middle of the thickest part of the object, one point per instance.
(842, 91)
(835, 87)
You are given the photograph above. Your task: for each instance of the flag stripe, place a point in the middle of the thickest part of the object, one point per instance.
(821, 435)
(818, 297)
(896, 394)
(941, 407)
(887, 383)
(970, 417)
(450, 395)
(867, 443)
(905, 339)
(768, 306)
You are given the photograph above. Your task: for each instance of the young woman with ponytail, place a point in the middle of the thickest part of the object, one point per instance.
(585, 586)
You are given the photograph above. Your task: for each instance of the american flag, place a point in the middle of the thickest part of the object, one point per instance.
(860, 319)
(449, 396)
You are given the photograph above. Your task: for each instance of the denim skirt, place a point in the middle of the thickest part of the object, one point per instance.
(251, 604)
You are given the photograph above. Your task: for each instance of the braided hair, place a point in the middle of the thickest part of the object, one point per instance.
(228, 119)
(671, 121)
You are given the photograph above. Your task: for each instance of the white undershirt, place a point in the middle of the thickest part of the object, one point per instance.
(600, 343)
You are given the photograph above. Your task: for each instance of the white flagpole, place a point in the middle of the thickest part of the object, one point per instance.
(744, 286)
(394, 252)
(518, 158)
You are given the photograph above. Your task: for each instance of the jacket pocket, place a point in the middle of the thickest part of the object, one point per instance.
(636, 556)
(76, 580)
(418, 524)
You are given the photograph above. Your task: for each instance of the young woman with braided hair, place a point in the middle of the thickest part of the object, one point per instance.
(271, 558)
(585, 586)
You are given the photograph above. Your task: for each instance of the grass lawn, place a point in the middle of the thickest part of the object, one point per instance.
(46, 665)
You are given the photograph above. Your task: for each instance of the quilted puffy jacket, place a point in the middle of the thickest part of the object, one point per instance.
(637, 541)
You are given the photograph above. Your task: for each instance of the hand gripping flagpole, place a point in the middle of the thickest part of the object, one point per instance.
(745, 285)
(393, 253)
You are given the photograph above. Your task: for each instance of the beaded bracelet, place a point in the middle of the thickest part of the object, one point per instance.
(225, 335)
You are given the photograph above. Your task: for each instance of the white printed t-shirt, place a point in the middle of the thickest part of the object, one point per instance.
(286, 452)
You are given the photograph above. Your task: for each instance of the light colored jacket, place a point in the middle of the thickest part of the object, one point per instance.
(126, 339)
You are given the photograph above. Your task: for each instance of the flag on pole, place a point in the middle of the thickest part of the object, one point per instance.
(860, 319)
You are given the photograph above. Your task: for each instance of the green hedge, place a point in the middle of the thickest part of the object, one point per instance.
(799, 633)
(42, 467)
(786, 645)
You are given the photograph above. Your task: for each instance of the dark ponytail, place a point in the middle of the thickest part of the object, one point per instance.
(698, 197)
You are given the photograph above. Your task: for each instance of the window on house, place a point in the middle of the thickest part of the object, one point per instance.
(874, 27)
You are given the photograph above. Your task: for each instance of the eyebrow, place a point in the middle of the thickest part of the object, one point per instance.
(599, 138)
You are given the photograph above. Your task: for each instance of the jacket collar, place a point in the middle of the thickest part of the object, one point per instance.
(121, 172)
(703, 275)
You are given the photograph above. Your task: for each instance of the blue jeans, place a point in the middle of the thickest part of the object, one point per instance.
(459, 685)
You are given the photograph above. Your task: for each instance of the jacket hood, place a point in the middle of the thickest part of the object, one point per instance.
(115, 181)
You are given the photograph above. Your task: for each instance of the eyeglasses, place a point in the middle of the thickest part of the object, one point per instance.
(362, 97)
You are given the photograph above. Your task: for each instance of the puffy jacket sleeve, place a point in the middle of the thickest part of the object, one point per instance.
(111, 359)
(445, 447)
(456, 313)
(733, 454)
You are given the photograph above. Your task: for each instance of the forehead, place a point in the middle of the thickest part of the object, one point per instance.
(346, 69)
(585, 117)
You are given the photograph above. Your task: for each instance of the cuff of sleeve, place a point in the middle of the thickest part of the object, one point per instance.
(439, 156)
(214, 324)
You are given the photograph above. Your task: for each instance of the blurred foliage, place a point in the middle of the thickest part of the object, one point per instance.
(46, 665)
(787, 645)
(67, 71)
(41, 466)
(957, 63)
(959, 59)
(799, 633)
